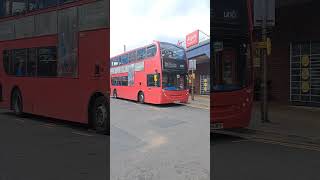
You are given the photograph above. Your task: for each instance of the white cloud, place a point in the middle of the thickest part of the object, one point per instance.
(137, 23)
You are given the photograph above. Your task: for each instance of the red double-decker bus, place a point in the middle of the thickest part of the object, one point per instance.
(53, 59)
(231, 68)
(155, 74)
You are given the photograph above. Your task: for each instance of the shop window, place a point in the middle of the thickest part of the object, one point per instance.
(19, 62)
(47, 62)
(153, 80)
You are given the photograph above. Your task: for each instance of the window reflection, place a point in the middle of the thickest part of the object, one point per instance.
(19, 7)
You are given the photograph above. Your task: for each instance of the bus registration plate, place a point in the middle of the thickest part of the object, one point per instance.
(176, 102)
(217, 126)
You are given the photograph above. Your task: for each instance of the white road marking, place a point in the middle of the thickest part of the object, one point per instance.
(82, 134)
(288, 144)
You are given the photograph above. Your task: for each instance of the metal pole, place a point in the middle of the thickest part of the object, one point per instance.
(264, 115)
(192, 86)
(124, 48)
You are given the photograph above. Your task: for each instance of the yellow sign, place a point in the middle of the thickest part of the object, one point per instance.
(264, 45)
(205, 81)
(269, 46)
(305, 61)
(305, 86)
(305, 73)
(261, 45)
(155, 78)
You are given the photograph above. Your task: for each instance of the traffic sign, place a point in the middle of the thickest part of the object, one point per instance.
(192, 64)
(264, 10)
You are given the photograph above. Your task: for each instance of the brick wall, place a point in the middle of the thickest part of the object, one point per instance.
(294, 23)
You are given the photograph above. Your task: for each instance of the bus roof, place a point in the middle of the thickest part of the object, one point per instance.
(154, 42)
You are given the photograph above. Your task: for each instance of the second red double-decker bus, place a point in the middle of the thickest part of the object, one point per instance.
(231, 68)
(155, 74)
(53, 59)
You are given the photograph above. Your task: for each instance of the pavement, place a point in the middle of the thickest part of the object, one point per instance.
(200, 101)
(293, 124)
(159, 142)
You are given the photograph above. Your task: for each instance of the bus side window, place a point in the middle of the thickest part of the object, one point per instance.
(141, 54)
(19, 59)
(132, 56)
(7, 61)
(151, 51)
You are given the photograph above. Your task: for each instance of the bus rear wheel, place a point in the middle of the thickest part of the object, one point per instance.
(100, 116)
(115, 95)
(141, 97)
(16, 103)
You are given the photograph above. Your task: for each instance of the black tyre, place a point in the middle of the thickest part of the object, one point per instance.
(115, 95)
(141, 97)
(16, 103)
(100, 116)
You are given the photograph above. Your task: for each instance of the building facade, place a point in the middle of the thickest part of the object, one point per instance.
(201, 53)
(294, 64)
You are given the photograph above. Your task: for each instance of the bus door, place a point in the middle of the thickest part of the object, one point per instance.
(228, 70)
(153, 87)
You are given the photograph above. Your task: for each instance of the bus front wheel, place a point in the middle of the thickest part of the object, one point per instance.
(100, 115)
(141, 97)
(16, 103)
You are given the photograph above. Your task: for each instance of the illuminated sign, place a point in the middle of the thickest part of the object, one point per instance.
(192, 39)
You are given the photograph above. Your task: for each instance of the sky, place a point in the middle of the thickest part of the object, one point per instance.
(137, 23)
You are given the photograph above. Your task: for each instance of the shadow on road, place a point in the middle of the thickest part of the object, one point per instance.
(172, 105)
(222, 138)
(46, 120)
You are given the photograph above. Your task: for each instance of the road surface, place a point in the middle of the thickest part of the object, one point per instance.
(38, 148)
(242, 159)
(150, 142)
